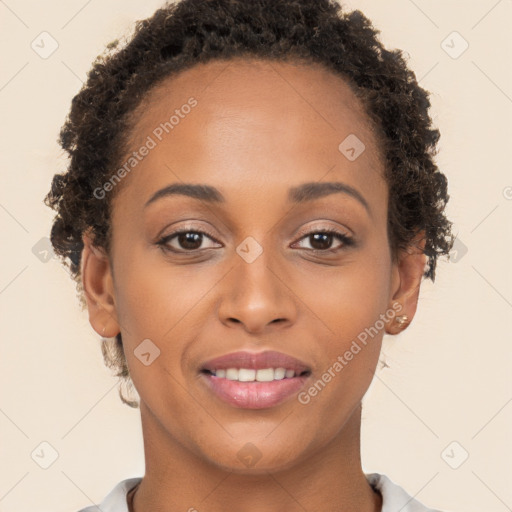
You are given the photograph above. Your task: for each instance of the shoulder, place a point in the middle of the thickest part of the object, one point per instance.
(115, 501)
(394, 497)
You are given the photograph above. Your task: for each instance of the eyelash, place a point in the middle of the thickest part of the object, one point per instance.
(346, 240)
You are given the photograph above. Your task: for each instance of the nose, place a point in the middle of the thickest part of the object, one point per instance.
(257, 296)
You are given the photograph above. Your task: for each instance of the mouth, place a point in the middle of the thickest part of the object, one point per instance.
(255, 380)
(253, 375)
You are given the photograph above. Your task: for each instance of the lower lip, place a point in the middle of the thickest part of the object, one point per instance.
(254, 395)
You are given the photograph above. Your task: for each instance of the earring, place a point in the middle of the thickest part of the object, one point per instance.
(402, 320)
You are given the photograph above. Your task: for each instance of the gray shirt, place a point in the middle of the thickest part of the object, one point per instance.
(394, 498)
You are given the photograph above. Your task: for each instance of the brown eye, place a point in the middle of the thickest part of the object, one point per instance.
(185, 241)
(321, 241)
(189, 240)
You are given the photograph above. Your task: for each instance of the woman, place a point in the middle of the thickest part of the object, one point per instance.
(251, 203)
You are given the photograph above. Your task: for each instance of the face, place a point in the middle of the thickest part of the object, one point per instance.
(251, 260)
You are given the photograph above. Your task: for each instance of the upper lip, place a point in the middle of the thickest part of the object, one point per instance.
(256, 361)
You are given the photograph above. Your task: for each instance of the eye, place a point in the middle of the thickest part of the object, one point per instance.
(189, 241)
(185, 240)
(321, 240)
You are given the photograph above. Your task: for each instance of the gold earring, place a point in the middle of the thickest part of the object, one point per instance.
(402, 320)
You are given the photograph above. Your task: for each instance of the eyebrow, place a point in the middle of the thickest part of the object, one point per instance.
(300, 194)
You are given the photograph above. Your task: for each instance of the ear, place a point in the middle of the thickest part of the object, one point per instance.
(98, 288)
(406, 280)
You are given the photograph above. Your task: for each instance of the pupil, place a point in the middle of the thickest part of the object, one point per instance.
(189, 240)
(324, 239)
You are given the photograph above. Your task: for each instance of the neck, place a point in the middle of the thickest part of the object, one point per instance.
(177, 479)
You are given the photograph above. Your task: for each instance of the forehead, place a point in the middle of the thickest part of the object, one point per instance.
(302, 91)
(252, 121)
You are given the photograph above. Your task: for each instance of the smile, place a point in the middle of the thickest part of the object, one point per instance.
(251, 375)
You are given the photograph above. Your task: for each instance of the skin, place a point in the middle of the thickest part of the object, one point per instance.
(259, 129)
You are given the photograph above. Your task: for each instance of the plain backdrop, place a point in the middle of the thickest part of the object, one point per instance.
(446, 394)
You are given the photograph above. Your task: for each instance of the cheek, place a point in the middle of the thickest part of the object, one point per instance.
(348, 299)
(157, 309)
(154, 297)
(349, 302)
(350, 349)
(166, 305)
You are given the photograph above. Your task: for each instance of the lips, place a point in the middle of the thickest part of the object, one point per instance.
(256, 361)
(251, 380)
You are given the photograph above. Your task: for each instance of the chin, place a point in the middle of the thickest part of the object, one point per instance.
(254, 458)
(263, 466)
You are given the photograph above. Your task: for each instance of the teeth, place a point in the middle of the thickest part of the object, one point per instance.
(266, 375)
(232, 374)
(279, 373)
(245, 375)
(251, 375)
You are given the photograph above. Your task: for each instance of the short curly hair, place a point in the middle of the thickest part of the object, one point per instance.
(180, 35)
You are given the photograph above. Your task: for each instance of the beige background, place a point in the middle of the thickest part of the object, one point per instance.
(449, 375)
